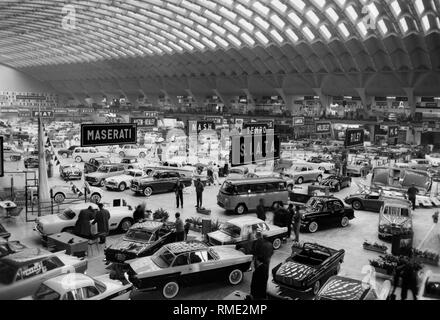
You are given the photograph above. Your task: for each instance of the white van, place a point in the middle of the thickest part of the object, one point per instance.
(84, 154)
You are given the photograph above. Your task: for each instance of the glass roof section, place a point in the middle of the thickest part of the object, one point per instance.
(52, 32)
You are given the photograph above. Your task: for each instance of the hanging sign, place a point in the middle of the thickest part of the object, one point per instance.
(42, 114)
(108, 134)
(298, 121)
(393, 131)
(354, 138)
(255, 148)
(323, 127)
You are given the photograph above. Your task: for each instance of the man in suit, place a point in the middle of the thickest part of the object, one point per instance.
(102, 219)
(199, 192)
(178, 190)
(82, 225)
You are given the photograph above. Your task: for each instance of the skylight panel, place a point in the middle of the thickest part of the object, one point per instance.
(425, 23)
(308, 33)
(217, 28)
(197, 44)
(246, 25)
(295, 19)
(298, 4)
(277, 21)
(173, 23)
(208, 4)
(198, 18)
(228, 13)
(344, 30)
(163, 12)
(382, 26)
(244, 11)
(372, 10)
(247, 39)
(292, 35)
(262, 23)
(209, 43)
(351, 13)
(180, 34)
(232, 27)
(319, 3)
(211, 15)
(186, 45)
(396, 8)
(190, 6)
(419, 6)
(234, 40)
(261, 37)
(341, 2)
(403, 24)
(313, 18)
(276, 35)
(324, 30)
(362, 28)
(175, 46)
(438, 22)
(190, 31)
(281, 7)
(263, 10)
(334, 17)
(204, 30)
(184, 20)
(221, 41)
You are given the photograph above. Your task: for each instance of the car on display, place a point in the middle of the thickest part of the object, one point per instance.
(320, 164)
(434, 159)
(70, 172)
(395, 218)
(10, 152)
(368, 201)
(23, 272)
(420, 164)
(123, 181)
(400, 179)
(329, 211)
(31, 162)
(188, 263)
(355, 168)
(121, 218)
(141, 240)
(348, 289)
(307, 269)
(242, 233)
(336, 182)
(429, 288)
(242, 195)
(78, 286)
(65, 153)
(94, 163)
(237, 173)
(130, 162)
(84, 154)
(10, 247)
(132, 150)
(62, 192)
(158, 182)
(104, 172)
(4, 233)
(301, 173)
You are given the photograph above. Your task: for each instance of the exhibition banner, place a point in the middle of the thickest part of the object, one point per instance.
(195, 127)
(108, 134)
(393, 131)
(298, 121)
(251, 149)
(43, 113)
(151, 114)
(323, 127)
(254, 128)
(354, 138)
(144, 122)
(2, 158)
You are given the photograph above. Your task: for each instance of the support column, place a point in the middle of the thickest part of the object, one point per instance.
(411, 100)
(250, 99)
(172, 98)
(367, 101)
(226, 99)
(288, 99)
(325, 100)
(200, 100)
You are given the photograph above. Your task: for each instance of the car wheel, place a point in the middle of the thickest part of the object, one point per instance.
(125, 225)
(59, 197)
(122, 186)
(122, 154)
(148, 191)
(95, 198)
(78, 159)
(235, 277)
(316, 287)
(300, 180)
(357, 205)
(276, 244)
(345, 222)
(319, 178)
(313, 227)
(290, 187)
(64, 155)
(142, 155)
(241, 209)
(102, 183)
(170, 290)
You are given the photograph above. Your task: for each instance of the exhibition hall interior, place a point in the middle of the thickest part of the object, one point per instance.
(234, 150)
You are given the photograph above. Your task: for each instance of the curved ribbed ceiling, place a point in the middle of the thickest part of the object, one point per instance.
(32, 33)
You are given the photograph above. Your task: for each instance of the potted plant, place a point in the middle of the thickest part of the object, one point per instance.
(426, 257)
(375, 247)
(161, 215)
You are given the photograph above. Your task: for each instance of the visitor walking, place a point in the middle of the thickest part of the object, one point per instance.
(139, 213)
(261, 210)
(180, 231)
(260, 276)
(297, 223)
(199, 192)
(186, 228)
(215, 170)
(178, 190)
(101, 219)
(412, 193)
(289, 219)
(82, 225)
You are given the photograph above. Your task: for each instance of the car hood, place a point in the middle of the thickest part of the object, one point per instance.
(228, 252)
(96, 174)
(290, 270)
(146, 179)
(121, 177)
(143, 265)
(126, 245)
(221, 237)
(329, 182)
(49, 219)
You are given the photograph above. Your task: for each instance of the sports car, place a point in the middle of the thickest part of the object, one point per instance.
(10, 247)
(22, 273)
(62, 192)
(355, 168)
(31, 162)
(70, 172)
(321, 164)
(141, 240)
(78, 286)
(336, 182)
(342, 288)
(369, 201)
(121, 217)
(188, 263)
(307, 269)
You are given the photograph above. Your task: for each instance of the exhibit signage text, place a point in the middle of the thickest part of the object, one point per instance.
(393, 131)
(43, 114)
(108, 134)
(251, 149)
(254, 128)
(298, 121)
(323, 127)
(354, 138)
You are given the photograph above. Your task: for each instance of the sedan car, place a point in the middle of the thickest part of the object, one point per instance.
(143, 239)
(70, 172)
(188, 263)
(31, 162)
(159, 181)
(123, 181)
(325, 211)
(78, 286)
(106, 171)
(336, 182)
(303, 173)
(94, 163)
(355, 168)
(23, 272)
(65, 153)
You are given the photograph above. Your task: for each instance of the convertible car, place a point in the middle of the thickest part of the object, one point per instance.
(22, 273)
(342, 288)
(63, 192)
(369, 201)
(143, 239)
(307, 269)
(336, 182)
(188, 263)
(325, 211)
(78, 286)
(70, 172)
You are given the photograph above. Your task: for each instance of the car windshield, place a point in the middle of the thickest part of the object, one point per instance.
(7, 273)
(228, 188)
(163, 258)
(314, 205)
(103, 169)
(46, 293)
(131, 173)
(139, 235)
(231, 230)
(68, 214)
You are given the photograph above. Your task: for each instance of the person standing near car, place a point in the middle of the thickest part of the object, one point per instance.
(139, 213)
(289, 219)
(199, 192)
(412, 193)
(82, 225)
(261, 210)
(260, 276)
(297, 223)
(178, 190)
(180, 230)
(102, 218)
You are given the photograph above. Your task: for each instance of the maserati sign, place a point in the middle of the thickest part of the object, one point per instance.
(108, 134)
